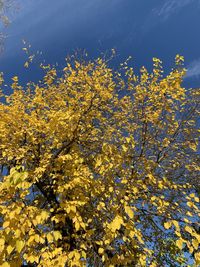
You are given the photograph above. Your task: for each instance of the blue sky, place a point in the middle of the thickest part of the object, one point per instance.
(140, 28)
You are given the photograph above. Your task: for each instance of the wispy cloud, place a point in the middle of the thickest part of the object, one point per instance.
(165, 10)
(193, 69)
(172, 6)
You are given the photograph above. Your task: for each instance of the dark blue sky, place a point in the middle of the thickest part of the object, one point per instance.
(140, 28)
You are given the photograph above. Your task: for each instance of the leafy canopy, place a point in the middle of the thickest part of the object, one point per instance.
(99, 168)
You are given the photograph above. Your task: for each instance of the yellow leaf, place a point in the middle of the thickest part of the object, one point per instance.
(195, 243)
(83, 246)
(135, 190)
(37, 238)
(179, 243)
(77, 255)
(44, 215)
(10, 249)
(189, 229)
(131, 234)
(153, 264)
(110, 189)
(73, 208)
(5, 264)
(77, 225)
(176, 224)
(100, 250)
(191, 249)
(124, 148)
(26, 64)
(167, 225)
(57, 235)
(190, 204)
(83, 254)
(17, 233)
(31, 259)
(2, 242)
(19, 245)
(193, 146)
(49, 237)
(116, 223)
(197, 257)
(15, 79)
(6, 224)
(129, 211)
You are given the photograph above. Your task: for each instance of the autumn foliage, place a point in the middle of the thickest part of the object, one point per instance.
(100, 168)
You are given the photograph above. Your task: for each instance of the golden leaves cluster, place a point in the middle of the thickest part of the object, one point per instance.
(99, 168)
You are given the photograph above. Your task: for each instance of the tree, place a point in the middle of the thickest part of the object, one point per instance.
(6, 6)
(98, 168)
